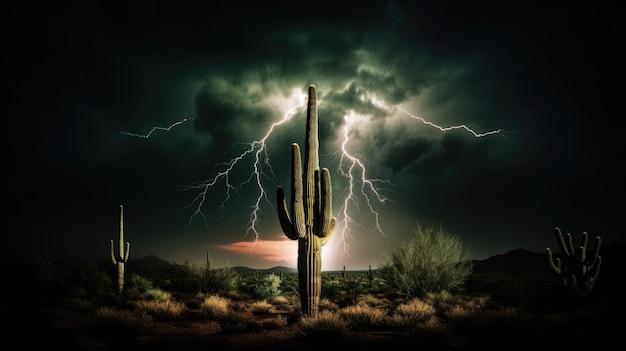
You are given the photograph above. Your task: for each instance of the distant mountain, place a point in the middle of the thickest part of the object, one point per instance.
(149, 264)
(524, 261)
(276, 269)
(515, 261)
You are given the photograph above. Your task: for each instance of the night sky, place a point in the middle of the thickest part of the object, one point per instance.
(94, 89)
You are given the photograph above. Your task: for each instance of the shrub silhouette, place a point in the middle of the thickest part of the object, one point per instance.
(431, 261)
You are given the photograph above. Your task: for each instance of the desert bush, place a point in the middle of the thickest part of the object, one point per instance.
(279, 300)
(374, 301)
(222, 280)
(267, 287)
(94, 282)
(158, 294)
(215, 306)
(167, 309)
(261, 307)
(137, 286)
(331, 288)
(363, 315)
(328, 305)
(432, 260)
(42, 273)
(238, 321)
(79, 304)
(325, 324)
(191, 278)
(121, 321)
(413, 315)
(276, 322)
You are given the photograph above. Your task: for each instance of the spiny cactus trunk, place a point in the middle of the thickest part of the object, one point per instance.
(310, 220)
(310, 273)
(120, 277)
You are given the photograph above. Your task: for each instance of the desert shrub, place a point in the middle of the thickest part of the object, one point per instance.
(459, 305)
(121, 321)
(331, 288)
(158, 294)
(268, 287)
(79, 305)
(238, 321)
(193, 278)
(325, 324)
(168, 309)
(328, 305)
(374, 301)
(279, 300)
(94, 281)
(276, 322)
(137, 286)
(432, 260)
(215, 306)
(222, 280)
(413, 313)
(46, 274)
(363, 315)
(261, 307)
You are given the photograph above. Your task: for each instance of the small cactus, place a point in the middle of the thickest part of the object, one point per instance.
(123, 254)
(579, 271)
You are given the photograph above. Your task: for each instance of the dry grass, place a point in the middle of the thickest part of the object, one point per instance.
(458, 321)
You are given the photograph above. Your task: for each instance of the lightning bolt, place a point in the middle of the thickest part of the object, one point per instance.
(350, 166)
(353, 168)
(258, 149)
(154, 129)
(447, 129)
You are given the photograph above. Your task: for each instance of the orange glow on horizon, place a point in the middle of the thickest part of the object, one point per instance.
(275, 251)
(269, 250)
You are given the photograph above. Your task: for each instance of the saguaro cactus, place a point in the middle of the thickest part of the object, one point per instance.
(579, 271)
(120, 261)
(310, 220)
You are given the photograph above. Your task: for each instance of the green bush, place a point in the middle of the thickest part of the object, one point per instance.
(194, 278)
(268, 287)
(430, 261)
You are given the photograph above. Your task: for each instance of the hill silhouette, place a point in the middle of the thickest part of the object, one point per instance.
(514, 261)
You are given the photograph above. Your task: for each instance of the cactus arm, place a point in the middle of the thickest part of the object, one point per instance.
(596, 250)
(283, 215)
(554, 264)
(113, 253)
(327, 220)
(293, 229)
(584, 240)
(567, 249)
(593, 273)
(127, 251)
(297, 201)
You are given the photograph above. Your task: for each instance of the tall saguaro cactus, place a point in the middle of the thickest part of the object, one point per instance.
(121, 259)
(310, 220)
(578, 270)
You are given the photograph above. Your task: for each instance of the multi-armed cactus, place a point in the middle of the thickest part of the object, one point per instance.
(123, 254)
(579, 270)
(310, 220)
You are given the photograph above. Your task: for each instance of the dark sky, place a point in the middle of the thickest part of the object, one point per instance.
(94, 89)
